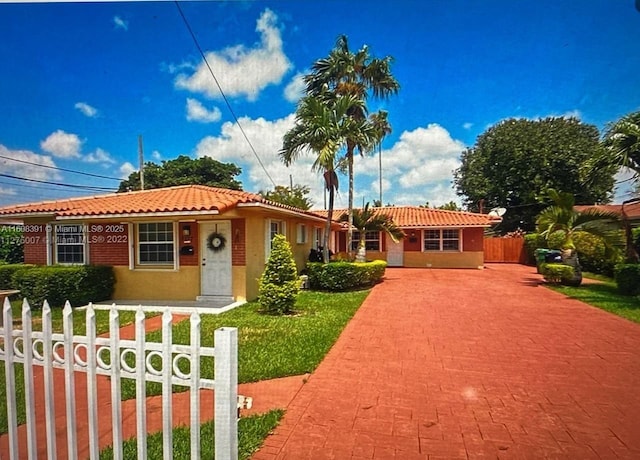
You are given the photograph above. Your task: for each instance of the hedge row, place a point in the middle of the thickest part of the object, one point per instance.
(78, 284)
(343, 276)
(627, 277)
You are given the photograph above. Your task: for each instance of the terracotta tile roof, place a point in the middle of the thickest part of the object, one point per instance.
(185, 198)
(631, 209)
(417, 217)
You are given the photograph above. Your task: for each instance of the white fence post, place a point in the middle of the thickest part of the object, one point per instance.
(27, 353)
(226, 393)
(9, 377)
(69, 379)
(92, 386)
(116, 405)
(49, 403)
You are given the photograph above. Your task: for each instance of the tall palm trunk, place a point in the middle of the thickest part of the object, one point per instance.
(327, 228)
(361, 255)
(350, 148)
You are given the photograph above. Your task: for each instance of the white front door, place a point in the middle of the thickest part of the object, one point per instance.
(395, 253)
(215, 264)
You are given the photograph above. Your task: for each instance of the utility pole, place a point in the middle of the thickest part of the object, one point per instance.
(141, 161)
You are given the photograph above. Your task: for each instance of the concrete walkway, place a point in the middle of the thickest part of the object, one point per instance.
(470, 364)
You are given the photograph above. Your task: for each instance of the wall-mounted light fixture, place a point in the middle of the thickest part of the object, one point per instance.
(186, 233)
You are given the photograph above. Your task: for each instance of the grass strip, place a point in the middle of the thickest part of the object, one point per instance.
(604, 295)
(251, 433)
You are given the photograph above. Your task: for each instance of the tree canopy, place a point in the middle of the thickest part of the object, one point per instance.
(622, 140)
(185, 171)
(514, 162)
(296, 196)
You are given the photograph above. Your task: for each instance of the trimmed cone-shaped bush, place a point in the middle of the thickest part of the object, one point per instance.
(279, 284)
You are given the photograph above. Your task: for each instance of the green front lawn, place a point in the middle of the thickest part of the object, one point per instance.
(604, 295)
(270, 346)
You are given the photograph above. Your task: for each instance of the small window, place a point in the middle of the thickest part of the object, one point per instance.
(274, 227)
(442, 240)
(155, 243)
(301, 237)
(450, 240)
(69, 244)
(371, 241)
(318, 237)
(432, 240)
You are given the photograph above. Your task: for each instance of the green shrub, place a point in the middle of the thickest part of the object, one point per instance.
(557, 273)
(557, 239)
(7, 272)
(533, 241)
(57, 284)
(11, 244)
(279, 283)
(342, 276)
(593, 254)
(627, 277)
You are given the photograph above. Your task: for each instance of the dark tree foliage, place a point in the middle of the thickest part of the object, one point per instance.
(296, 197)
(185, 171)
(513, 163)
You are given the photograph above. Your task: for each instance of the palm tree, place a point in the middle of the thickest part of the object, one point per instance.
(371, 220)
(322, 129)
(357, 74)
(382, 128)
(561, 221)
(622, 140)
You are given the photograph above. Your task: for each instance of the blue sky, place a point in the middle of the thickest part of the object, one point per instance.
(79, 83)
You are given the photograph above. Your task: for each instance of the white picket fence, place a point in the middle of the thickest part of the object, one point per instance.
(108, 356)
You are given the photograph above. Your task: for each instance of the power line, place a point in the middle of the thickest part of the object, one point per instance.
(83, 187)
(60, 169)
(235, 118)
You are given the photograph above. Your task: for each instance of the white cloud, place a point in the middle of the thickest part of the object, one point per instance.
(266, 137)
(99, 156)
(62, 145)
(198, 112)
(572, 114)
(120, 23)
(419, 167)
(126, 169)
(295, 89)
(242, 71)
(467, 125)
(625, 185)
(29, 164)
(8, 191)
(86, 109)
(156, 155)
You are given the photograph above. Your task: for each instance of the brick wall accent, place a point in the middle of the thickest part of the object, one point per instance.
(35, 244)
(473, 239)
(108, 243)
(238, 242)
(192, 240)
(412, 241)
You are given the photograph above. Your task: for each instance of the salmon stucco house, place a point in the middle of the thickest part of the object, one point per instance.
(178, 243)
(434, 238)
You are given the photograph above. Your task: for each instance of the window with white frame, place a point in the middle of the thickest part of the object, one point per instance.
(155, 243)
(371, 241)
(442, 240)
(301, 234)
(274, 227)
(318, 237)
(69, 244)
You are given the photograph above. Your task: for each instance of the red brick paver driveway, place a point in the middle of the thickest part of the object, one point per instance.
(470, 364)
